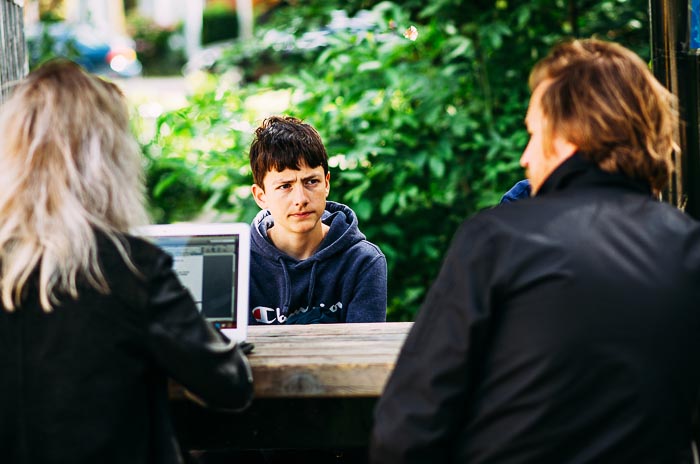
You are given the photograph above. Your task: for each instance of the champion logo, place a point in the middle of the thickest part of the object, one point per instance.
(265, 315)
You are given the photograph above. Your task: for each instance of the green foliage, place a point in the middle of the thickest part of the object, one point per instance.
(219, 22)
(160, 49)
(42, 47)
(421, 134)
(51, 16)
(197, 160)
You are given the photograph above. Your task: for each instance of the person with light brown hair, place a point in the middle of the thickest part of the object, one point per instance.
(92, 319)
(563, 328)
(602, 98)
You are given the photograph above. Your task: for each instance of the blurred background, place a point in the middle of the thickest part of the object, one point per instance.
(420, 104)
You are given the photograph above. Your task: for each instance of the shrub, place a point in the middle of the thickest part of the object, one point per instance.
(421, 133)
(160, 49)
(219, 22)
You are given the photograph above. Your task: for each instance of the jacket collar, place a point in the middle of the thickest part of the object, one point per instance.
(578, 172)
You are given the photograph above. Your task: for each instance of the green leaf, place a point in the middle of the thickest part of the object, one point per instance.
(363, 209)
(387, 203)
(437, 166)
(369, 66)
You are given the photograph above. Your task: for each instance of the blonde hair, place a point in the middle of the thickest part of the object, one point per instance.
(602, 98)
(69, 168)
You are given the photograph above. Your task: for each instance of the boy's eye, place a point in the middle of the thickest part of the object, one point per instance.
(312, 181)
(284, 186)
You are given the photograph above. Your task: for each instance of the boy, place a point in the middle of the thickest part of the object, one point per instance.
(309, 261)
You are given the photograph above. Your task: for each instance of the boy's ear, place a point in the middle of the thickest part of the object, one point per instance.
(259, 196)
(328, 183)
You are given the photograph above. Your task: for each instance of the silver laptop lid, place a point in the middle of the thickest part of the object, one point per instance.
(213, 262)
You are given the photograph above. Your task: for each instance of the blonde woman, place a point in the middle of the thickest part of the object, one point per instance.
(92, 319)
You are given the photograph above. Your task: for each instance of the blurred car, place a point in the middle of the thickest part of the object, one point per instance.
(94, 50)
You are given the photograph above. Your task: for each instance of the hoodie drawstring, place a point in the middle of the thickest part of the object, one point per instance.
(287, 287)
(312, 284)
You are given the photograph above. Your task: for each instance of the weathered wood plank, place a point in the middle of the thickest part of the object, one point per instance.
(321, 380)
(380, 351)
(362, 329)
(323, 361)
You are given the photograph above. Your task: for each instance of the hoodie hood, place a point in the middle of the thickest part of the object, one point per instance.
(342, 234)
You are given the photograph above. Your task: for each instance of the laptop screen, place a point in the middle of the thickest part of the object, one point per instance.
(206, 265)
(212, 261)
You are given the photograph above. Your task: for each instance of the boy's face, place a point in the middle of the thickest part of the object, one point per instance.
(296, 198)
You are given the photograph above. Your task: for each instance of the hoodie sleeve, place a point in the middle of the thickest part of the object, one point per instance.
(368, 303)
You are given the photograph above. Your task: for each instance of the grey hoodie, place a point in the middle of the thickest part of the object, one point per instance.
(343, 281)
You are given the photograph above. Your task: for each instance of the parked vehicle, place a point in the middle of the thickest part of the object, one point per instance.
(93, 49)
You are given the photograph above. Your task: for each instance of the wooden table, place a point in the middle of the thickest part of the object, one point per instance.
(325, 360)
(315, 386)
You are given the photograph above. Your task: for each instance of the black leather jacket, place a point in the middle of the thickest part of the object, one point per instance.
(563, 328)
(86, 383)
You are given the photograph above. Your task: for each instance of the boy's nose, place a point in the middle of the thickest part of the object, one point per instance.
(300, 196)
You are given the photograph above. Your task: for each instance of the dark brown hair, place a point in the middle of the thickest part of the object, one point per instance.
(602, 98)
(284, 142)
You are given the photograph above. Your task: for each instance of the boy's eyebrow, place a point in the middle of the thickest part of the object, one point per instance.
(284, 181)
(312, 176)
(291, 180)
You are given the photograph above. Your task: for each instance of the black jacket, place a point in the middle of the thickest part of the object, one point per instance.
(86, 383)
(562, 329)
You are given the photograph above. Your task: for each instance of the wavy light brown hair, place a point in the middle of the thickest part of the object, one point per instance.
(69, 167)
(602, 98)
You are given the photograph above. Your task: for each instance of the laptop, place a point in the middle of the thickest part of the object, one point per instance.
(213, 263)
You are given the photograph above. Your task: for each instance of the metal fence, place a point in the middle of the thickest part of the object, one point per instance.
(13, 56)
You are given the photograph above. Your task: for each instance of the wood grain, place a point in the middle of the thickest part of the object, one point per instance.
(324, 360)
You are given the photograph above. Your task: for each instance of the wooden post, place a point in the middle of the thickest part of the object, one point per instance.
(676, 63)
(244, 11)
(13, 56)
(193, 26)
